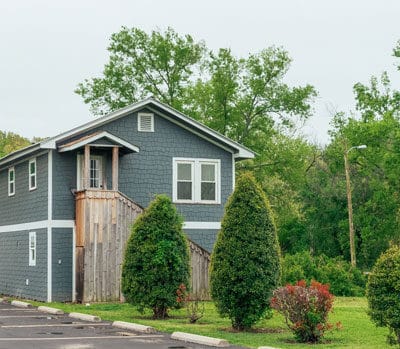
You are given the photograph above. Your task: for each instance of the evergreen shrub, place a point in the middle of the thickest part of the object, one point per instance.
(245, 263)
(156, 261)
(383, 293)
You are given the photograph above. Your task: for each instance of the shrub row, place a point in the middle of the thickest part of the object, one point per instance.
(344, 280)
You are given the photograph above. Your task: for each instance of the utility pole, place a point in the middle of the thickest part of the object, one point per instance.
(350, 204)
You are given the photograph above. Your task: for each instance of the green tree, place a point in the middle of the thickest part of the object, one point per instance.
(10, 142)
(383, 290)
(245, 263)
(246, 98)
(156, 258)
(159, 64)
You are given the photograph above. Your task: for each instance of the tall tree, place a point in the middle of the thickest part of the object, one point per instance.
(245, 264)
(246, 98)
(159, 64)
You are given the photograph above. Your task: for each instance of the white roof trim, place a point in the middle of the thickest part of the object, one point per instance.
(242, 152)
(18, 153)
(97, 136)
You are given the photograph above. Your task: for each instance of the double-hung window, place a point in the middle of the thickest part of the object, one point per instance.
(32, 174)
(196, 181)
(11, 181)
(32, 249)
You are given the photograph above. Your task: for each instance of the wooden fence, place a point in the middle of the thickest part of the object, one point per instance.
(103, 222)
(200, 263)
(103, 225)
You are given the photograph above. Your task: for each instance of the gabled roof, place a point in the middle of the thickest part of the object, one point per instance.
(240, 152)
(80, 142)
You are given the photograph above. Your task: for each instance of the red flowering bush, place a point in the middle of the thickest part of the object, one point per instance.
(305, 309)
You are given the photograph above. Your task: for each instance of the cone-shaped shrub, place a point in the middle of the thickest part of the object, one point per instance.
(156, 259)
(245, 264)
(383, 293)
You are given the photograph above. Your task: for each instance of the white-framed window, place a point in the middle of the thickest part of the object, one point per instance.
(145, 122)
(32, 174)
(11, 181)
(96, 172)
(196, 181)
(32, 249)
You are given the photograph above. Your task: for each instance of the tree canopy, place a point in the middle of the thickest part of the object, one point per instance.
(248, 100)
(10, 142)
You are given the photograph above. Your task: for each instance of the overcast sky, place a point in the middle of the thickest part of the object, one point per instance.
(48, 47)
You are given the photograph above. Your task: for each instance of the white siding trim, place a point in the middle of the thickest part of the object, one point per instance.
(49, 230)
(233, 173)
(73, 264)
(37, 225)
(201, 225)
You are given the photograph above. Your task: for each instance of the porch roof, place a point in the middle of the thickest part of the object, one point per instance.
(100, 140)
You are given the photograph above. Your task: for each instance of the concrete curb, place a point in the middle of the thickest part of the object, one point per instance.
(20, 304)
(49, 310)
(194, 338)
(85, 317)
(133, 327)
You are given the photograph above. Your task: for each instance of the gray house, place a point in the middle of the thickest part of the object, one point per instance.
(66, 203)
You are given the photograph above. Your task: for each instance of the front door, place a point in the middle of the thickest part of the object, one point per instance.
(96, 172)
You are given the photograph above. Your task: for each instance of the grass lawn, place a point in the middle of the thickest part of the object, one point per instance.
(358, 331)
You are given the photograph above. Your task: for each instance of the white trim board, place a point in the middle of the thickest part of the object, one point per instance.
(37, 225)
(202, 225)
(96, 137)
(49, 230)
(241, 151)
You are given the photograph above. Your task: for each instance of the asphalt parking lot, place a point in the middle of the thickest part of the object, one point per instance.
(23, 328)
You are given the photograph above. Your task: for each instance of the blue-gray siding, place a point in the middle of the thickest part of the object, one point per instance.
(62, 264)
(15, 269)
(203, 237)
(149, 172)
(25, 206)
(64, 180)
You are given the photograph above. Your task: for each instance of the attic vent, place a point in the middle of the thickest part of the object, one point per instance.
(145, 122)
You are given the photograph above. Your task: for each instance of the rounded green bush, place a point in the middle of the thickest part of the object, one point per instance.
(156, 258)
(383, 293)
(245, 264)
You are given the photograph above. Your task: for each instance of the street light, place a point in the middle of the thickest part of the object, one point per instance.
(349, 203)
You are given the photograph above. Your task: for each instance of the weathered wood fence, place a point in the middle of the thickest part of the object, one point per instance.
(103, 221)
(200, 263)
(103, 225)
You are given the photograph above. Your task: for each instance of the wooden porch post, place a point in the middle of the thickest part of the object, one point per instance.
(115, 159)
(86, 168)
